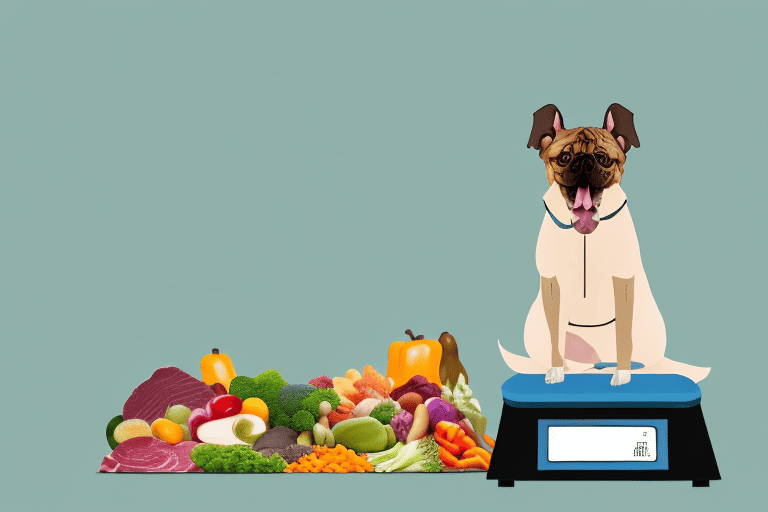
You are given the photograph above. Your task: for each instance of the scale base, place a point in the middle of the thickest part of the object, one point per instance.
(516, 456)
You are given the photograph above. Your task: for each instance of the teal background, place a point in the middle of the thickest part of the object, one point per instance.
(297, 183)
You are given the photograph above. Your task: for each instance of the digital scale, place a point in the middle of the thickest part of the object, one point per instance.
(651, 428)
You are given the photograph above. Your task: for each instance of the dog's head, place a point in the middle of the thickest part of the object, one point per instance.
(583, 161)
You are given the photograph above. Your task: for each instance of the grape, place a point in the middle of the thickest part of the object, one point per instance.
(178, 414)
(185, 428)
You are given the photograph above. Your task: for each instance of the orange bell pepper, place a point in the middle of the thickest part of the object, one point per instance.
(216, 367)
(416, 357)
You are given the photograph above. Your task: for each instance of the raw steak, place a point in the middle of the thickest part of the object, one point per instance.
(167, 386)
(150, 455)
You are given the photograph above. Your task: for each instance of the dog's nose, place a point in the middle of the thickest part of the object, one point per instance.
(583, 163)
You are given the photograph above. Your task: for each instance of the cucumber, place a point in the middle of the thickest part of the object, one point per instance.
(114, 422)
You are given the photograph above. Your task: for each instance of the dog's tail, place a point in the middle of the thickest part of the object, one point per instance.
(520, 364)
(695, 373)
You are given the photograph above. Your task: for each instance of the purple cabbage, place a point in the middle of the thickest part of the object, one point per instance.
(420, 385)
(401, 424)
(441, 410)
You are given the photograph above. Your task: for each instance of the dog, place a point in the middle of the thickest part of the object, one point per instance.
(594, 303)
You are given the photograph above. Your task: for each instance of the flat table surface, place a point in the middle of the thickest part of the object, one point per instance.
(595, 391)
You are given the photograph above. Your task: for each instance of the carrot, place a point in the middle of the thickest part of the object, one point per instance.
(478, 452)
(453, 437)
(447, 445)
(450, 431)
(474, 462)
(448, 458)
(463, 441)
(489, 441)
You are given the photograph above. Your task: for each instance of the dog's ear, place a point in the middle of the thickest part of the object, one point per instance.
(546, 122)
(619, 121)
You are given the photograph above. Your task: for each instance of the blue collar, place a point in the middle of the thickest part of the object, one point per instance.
(569, 226)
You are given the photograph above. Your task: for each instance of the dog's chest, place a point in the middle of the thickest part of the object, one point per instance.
(590, 262)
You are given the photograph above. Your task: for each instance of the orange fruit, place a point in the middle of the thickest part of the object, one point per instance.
(168, 431)
(257, 407)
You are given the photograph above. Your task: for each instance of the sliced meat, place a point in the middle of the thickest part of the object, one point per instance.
(167, 386)
(150, 455)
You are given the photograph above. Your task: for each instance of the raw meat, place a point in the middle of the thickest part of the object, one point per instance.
(150, 455)
(167, 386)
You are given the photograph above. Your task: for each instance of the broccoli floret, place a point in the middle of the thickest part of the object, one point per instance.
(298, 406)
(242, 387)
(281, 420)
(302, 420)
(214, 458)
(384, 412)
(291, 396)
(312, 401)
(266, 385)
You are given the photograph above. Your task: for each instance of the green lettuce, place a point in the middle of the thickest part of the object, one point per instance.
(463, 399)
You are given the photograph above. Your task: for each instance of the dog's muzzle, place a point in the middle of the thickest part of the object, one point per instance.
(585, 178)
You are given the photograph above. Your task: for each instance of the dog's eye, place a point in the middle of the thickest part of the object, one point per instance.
(563, 158)
(603, 160)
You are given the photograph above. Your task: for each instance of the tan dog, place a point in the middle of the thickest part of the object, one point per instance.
(595, 303)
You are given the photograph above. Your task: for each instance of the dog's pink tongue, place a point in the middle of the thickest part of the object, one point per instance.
(584, 209)
(584, 223)
(583, 198)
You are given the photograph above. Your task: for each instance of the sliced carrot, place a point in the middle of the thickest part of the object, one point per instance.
(489, 441)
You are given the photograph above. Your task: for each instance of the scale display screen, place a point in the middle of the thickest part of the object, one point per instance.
(593, 444)
(602, 444)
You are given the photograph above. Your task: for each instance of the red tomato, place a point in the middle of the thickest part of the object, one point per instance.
(224, 406)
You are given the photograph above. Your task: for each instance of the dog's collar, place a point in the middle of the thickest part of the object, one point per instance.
(569, 226)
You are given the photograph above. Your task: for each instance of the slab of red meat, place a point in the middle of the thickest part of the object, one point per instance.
(167, 386)
(150, 455)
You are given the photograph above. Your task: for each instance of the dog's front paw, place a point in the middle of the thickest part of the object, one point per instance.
(554, 375)
(621, 377)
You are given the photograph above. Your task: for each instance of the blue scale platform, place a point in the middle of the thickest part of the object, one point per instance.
(595, 391)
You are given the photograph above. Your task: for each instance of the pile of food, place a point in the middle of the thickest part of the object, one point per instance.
(420, 417)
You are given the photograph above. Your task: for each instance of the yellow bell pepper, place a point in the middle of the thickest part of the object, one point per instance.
(217, 367)
(415, 357)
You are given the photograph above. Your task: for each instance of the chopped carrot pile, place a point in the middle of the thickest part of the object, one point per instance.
(331, 460)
